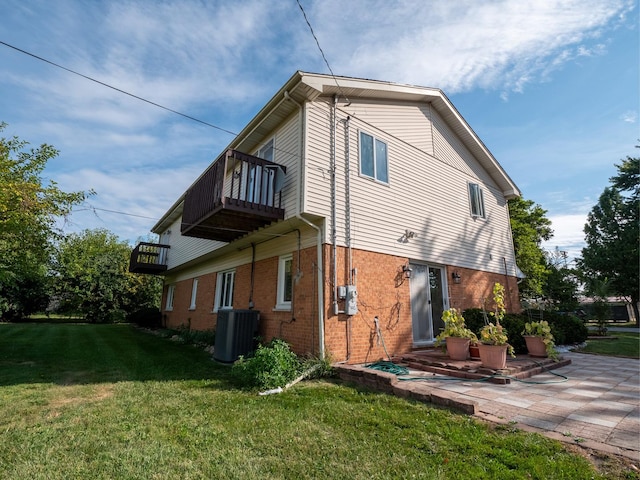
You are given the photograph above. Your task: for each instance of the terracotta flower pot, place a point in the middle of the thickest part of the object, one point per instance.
(536, 346)
(493, 356)
(457, 348)
(474, 351)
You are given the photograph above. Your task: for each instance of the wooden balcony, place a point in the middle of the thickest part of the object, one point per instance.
(238, 194)
(149, 258)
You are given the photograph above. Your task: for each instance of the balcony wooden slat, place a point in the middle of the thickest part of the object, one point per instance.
(250, 202)
(149, 258)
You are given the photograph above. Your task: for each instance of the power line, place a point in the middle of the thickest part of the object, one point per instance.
(118, 89)
(304, 14)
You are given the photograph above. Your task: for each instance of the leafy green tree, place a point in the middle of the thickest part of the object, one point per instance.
(28, 211)
(561, 283)
(92, 278)
(529, 227)
(612, 235)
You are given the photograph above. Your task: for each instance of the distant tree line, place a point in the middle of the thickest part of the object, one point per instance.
(41, 269)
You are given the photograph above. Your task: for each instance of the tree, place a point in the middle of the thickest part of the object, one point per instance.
(561, 283)
(612, 235)
(92, 278)
(28, 211)
(529, 227)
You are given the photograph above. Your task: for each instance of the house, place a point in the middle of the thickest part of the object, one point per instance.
(349, 212)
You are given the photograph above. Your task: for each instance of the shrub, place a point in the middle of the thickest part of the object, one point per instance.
(272, 365)
(514, 324)
(474, 319)
(149, 317)
(567, 326)
(324, 368)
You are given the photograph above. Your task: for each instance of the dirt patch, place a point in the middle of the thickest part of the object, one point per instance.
(75, 396)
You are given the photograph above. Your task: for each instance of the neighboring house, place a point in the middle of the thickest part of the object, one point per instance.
(350, 213)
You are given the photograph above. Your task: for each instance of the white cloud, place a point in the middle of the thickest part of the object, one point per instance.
(568, 234)
(630, 116)
(461, 45)
(124, 197)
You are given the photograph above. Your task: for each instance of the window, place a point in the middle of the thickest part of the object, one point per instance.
(266, 151)
(285, 283)
(194, 293)
(224, 290)
(477, 200)
(373, 158)
(170, 291)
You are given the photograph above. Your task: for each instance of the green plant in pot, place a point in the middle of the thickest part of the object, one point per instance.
(455, 334)
(540, 341)
(494, 342)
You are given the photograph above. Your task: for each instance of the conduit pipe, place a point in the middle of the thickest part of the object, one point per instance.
(318, 230)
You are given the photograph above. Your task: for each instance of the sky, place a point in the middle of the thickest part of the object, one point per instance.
(552, 88)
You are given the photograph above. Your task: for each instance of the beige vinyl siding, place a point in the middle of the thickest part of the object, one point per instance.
(280, 245)
(425, 194)
(184, 249)
(449, 149)
(409, 122)
(288, 153)
(287, 143)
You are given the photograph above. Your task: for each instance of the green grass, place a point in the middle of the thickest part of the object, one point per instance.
(110, 401)
(619, 344)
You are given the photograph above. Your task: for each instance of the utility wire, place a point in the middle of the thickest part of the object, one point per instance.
(118, 89)
(304, 14)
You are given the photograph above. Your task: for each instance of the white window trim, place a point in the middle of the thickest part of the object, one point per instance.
(375, 165)
(281, 304)
(170, 292)
(221, 275)
(479, 202)
(194, 294)
(271, 141)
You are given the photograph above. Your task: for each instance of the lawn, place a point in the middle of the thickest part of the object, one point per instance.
(619, 344)
(110, 401)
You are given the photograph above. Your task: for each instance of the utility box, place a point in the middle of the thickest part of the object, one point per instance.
(351, 301)
(235, 331)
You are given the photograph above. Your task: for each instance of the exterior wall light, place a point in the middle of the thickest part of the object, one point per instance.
(406, 269)
(456, 277)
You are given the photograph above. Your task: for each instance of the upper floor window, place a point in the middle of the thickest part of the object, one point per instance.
(476, 198)
(266, 151)
(373, 158)
(285, 282)
(224, 290)
(170, 291)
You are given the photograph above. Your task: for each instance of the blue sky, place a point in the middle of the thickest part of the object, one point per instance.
(551, 87)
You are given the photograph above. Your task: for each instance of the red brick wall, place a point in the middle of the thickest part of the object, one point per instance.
(476, 287)
(383, 292)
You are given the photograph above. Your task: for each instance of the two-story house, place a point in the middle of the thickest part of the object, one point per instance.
(346, 210)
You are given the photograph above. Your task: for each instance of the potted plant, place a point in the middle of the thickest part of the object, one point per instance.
(540, 342)
(455, 334)
(494, 344)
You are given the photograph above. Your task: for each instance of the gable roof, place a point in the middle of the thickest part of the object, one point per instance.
(304, 86)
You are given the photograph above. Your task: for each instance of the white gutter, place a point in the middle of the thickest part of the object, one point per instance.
(320, 281)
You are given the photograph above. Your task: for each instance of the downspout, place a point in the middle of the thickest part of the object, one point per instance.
(253, 274)
(334, 233)
(318, 230)
(347, 180)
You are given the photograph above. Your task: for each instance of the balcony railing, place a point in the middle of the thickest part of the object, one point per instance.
(238, 194)
(149, 258)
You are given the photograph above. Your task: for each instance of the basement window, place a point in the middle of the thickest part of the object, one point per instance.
(224, 290)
